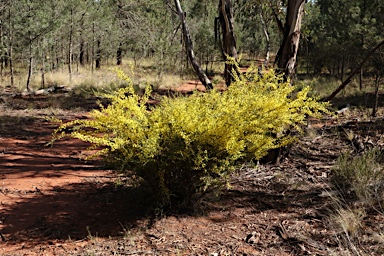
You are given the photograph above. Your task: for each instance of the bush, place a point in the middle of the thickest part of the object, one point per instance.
(187, 144)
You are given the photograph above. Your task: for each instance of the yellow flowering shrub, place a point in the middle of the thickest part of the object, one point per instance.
(189, 143)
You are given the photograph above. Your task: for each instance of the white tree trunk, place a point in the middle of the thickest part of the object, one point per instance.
(189, 48)
(286, 56)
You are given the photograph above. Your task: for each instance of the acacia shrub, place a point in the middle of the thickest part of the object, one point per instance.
(188, 144)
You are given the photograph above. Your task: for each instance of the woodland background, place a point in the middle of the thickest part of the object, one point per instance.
(48, 36)
(59, 58)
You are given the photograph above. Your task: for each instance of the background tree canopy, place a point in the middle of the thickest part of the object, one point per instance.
(46, 36)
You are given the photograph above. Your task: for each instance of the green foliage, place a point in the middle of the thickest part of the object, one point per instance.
(340, 33)
(361, 176)
(187, 144)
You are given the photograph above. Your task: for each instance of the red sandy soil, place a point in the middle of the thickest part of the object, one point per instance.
(46, 193)
(54, 203)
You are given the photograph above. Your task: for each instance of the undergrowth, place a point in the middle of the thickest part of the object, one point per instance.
(186, 145)
(361, 177)
(359, 182)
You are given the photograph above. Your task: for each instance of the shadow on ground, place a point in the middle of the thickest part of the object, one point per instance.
(73, 211)
(366, 100)
(105, 209)
(56, 100)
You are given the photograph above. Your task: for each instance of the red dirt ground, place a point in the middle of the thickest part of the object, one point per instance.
(44, 189)
(54, 203)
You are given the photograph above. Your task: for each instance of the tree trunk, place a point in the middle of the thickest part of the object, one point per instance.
(93, 45)
(30, 56)
(189, 48)
(119, 55)
(2, 52)
(98, 55)
(11, 69)
(42, 66)
(81, 53)
(10, 52)
(266, 34)
(70, 47)
(81, 44)
(286, 56)
(377, 85)
(29, 66)
(229, 40)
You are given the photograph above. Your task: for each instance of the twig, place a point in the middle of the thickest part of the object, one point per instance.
(2, 237)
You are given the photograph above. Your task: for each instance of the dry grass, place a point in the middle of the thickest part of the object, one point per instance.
(147, 72)
(359, 181)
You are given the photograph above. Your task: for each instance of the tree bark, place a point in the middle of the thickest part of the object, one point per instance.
(2, 52)
(286, 56)
(189, 48)
(10, 52)
(29, 66)
(42, 66)
(70, 46)
(229, 40)
(93, 45)
(81, 53)
(98, 55)
(30, 53)
(267, 39)
(81, 44)
(119, 55)
(377, 85)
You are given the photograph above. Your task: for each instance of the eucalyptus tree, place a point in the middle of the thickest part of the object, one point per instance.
(189, 47)
(257, 30)
(287, 54)
(200, 15)
(226, 20)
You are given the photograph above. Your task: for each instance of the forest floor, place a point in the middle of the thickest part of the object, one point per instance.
(54, 203)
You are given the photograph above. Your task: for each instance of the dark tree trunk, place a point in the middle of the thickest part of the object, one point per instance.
(119, 55)
(81, 45)
(286, 56)
(81, 53)
(377, 85)
(229, 40)
(189, 48)
(98, 55)
(10, 53)
(29, 67)
(93, 45)
(42, 67)
(30, 57)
